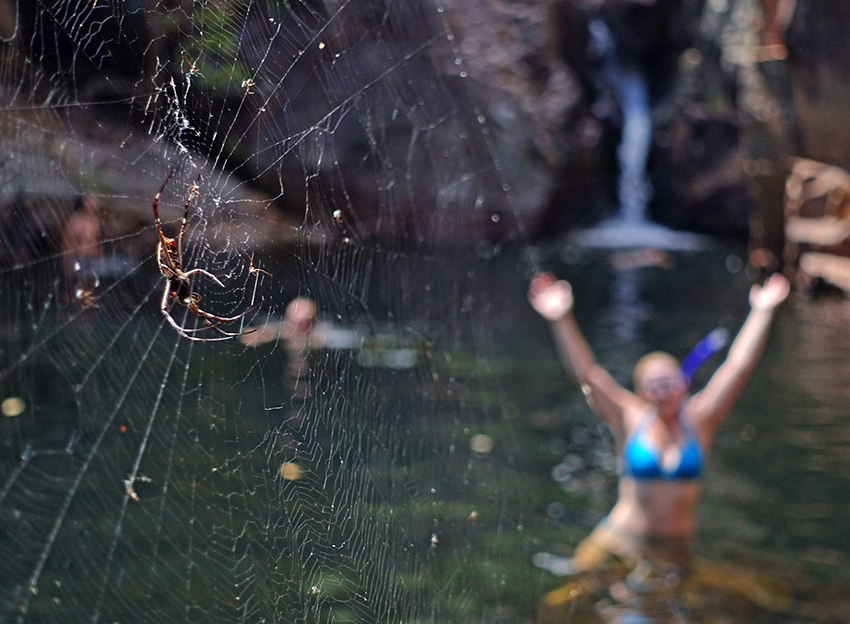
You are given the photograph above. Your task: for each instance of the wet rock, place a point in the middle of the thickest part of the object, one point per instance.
(513, 79)
(652, 34)
(818, 42)
(356, 117)
(537, 80)
(696, 165)
(792, 58)
(698, 176)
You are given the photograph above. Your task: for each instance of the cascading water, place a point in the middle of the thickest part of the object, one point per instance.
(630, 228)
(634, 190)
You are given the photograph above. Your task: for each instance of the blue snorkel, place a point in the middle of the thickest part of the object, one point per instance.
(703, 350)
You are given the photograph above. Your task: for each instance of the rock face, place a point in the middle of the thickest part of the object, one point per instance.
(356, 117)
(513, 80)
(366, 116)
(536, 81)
(737, 87)
(818, 42)
(792, 100)
(696, 165)
(567, 135)
(547, 75)
(768, 79)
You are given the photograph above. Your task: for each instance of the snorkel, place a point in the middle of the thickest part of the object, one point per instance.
(703, 350)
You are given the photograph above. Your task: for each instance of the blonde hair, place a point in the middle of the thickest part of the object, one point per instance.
(649, 359)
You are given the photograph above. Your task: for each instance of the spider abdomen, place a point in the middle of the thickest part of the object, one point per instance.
(183, 292)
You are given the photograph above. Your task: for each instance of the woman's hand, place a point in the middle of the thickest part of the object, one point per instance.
(774, 292)
(551, 298)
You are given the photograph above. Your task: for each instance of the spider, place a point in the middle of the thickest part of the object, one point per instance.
(193, 71)
(252, 270)
(178, 287)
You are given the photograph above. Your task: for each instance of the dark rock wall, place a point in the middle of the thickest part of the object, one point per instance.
(764, 80)
(793, 103)
(696, 165)
(534, 81)
(818, 41)
(537, 60)
(737, 86)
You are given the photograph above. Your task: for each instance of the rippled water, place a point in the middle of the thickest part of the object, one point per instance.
(775, 503)
(523, 466)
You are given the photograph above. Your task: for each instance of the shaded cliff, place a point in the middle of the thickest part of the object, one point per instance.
(520, 88)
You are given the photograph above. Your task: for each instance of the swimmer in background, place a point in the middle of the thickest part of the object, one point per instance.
(298, 330)
(662, 433)
(80, 246)
(299, 334)
(80, 238)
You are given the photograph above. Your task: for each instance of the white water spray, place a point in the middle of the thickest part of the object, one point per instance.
(634, 189)
(631, 228)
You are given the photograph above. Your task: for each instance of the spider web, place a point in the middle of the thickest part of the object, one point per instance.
(276, 477)
(381, 466)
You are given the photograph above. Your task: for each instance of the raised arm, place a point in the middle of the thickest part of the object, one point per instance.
(713, 402)
(553, 300)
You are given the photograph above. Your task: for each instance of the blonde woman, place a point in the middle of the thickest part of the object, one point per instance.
(662, 432)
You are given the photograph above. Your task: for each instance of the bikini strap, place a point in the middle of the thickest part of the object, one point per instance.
(646, 419)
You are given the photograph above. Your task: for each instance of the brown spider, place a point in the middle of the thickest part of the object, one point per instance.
(252, 270)
(178, 287)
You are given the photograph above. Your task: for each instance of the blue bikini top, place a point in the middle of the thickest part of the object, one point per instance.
(641, 459)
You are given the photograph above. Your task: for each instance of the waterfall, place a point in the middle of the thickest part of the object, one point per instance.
(633, 189)
(630, 228)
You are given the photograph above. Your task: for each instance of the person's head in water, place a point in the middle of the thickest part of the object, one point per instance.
(658, 380)
(300, 317)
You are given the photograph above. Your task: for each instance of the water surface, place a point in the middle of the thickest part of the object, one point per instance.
(409, 475)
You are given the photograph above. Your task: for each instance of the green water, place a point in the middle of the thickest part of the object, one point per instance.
(427, 489)
(775, 490)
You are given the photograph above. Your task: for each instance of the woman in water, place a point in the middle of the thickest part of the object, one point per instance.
(662, 433)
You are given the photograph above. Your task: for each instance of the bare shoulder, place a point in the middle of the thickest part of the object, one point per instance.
(696, 414)
(634, 411)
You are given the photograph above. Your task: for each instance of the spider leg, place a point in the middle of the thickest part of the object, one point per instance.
(221, 319)
(177, 281)
(166, 302)
(184, 333)
(162, 241)
(206, 316)
(199, 329)
(255, 270)
(192, 191)
(202, 272)
(156, 199)
(185, 330)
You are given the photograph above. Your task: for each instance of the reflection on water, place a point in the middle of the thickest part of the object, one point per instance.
(658, 595)
(771, 544)
(628, 310)
(282, 488)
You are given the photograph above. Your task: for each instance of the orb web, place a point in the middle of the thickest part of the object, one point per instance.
(328, 152)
